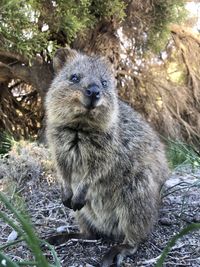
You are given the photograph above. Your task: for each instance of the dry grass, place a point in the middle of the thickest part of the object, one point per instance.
(166, 91)
(39, 194)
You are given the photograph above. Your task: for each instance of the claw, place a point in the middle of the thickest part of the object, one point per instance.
(62, 238)
(78, 205)
(115, 255)
(67, 203)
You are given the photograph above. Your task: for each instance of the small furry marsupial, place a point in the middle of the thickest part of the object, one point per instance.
(109, 161)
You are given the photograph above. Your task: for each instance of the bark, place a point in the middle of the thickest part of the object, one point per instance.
(23, 86)
(101, 40)
(38, 74)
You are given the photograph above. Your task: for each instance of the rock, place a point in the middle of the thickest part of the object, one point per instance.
(196, 218)
(12, 236)
(62, 228)
(3, 262)
(165, 221)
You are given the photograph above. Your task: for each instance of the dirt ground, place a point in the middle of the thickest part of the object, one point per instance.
(27, 175)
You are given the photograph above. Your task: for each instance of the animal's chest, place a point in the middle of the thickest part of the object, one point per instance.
(78, 151)
(75, 151)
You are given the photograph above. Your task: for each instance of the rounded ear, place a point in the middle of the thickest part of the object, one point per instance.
(62, 56)
(108, 63)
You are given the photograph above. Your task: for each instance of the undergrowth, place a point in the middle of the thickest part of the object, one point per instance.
(178, 153)
(26, 232)
(181, 154)
(191, 227)
(6, 143)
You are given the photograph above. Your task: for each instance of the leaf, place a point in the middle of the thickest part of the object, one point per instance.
(171, 243)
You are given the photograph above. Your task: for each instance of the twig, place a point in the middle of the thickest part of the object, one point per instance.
(84, 240)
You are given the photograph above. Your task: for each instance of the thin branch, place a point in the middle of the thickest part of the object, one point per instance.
(15, 56)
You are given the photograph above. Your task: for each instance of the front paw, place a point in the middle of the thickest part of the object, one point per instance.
(77, 203)
(66, 196)
(67, 202)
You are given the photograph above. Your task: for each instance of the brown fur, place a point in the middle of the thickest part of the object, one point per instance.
(110, 162)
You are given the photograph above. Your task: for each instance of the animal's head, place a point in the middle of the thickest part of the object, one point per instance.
(83, 91)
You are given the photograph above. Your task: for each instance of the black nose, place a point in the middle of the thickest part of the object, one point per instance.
(93, 92)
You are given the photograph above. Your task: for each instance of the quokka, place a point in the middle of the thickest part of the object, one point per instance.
(110, 163)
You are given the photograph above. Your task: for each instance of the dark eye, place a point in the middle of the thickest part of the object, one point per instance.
(104, 83)
(74, 78)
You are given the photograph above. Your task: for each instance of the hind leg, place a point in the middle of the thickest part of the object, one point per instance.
(116, 254)
(86, 227)
(87, 232)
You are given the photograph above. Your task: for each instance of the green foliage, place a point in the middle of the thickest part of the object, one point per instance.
(68, 17)
(164, 14)
(108, 9)
(5, 261)
(6, 142)
(27, 233)
(19, 30)
(171, 243)
(29, 27)
(180, 154)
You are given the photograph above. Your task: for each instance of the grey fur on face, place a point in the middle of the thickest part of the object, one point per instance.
(110, 163)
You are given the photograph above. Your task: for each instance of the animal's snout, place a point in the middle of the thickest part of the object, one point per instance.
(93, 91)
(92, 94)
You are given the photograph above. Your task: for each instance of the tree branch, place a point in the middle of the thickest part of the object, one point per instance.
(14, 56)
(5, 72)
(38, 75)
(21, 72)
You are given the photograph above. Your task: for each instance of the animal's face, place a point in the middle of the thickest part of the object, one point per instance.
(83, 90)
